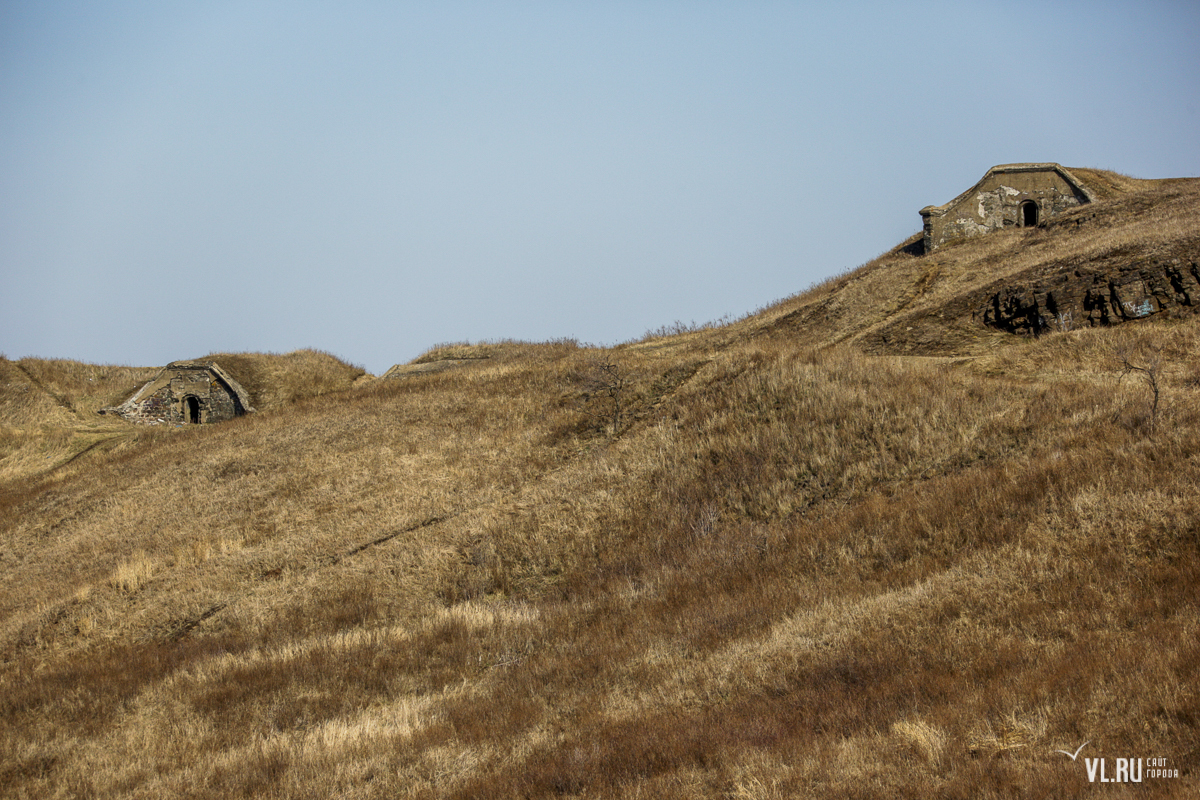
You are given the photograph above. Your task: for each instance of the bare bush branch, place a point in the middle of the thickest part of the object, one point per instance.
(605, 384)
(1149, 369)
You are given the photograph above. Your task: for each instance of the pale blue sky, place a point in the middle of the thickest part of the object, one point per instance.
(372, 178)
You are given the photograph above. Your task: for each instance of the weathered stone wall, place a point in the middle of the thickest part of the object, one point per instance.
(1081, 298)
(996, 201)
(165, 399)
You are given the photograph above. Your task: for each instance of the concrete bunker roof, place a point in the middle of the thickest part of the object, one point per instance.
(1001, 169)
(198, 365)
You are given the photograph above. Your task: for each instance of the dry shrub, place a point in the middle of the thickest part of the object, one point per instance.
(77, 387)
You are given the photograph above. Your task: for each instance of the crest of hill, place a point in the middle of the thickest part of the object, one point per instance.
(908, 302)
(42, 391)
(23, 402)
(455, 355)
(274, 380)
(497, 348)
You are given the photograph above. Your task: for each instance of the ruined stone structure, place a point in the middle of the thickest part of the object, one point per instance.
(427, 367)
(186, 392)
(1010, 195)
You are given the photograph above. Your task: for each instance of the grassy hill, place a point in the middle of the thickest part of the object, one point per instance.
(50, 408)
(857, 544)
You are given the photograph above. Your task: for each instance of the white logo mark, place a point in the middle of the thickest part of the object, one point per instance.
(1076, 753)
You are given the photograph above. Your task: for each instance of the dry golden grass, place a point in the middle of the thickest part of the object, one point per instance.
(791, 568)
(275, 380)
(48, 416)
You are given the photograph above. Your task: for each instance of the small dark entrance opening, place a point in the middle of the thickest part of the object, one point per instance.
(192, 407)
(1029, 214)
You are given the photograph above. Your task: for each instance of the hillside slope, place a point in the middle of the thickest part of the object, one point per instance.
(50, 409)
(1131, 255)
(789, 556)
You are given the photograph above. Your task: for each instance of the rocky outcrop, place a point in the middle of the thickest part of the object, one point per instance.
(1086, 297)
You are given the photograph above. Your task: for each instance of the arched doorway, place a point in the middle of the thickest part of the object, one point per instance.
(191, 409)
(1029, 214)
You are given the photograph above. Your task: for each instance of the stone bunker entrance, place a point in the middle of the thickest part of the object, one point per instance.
(1029, 214)
(191, 409)
(186, 392)
(1008, 196)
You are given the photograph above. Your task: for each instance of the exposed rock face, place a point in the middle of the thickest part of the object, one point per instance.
(1083, 297)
